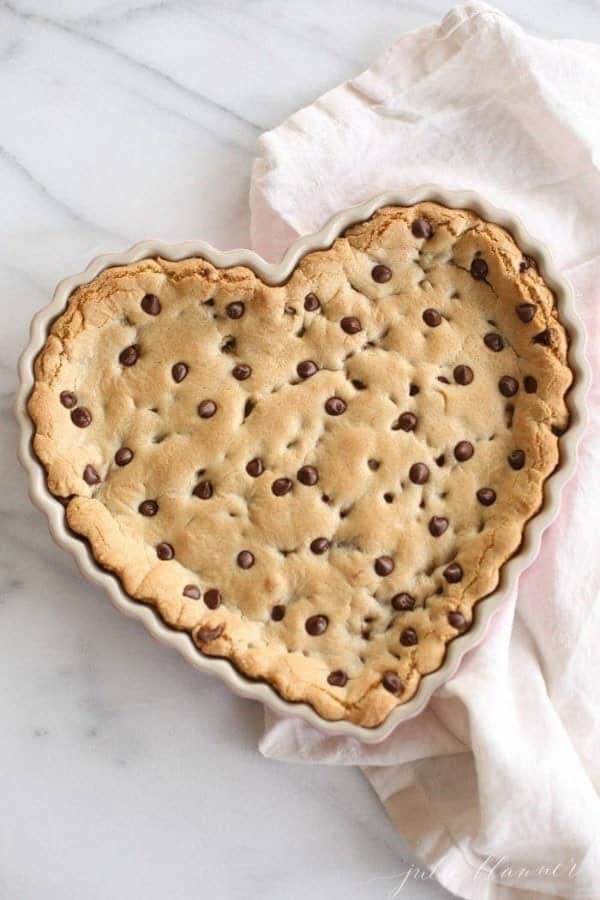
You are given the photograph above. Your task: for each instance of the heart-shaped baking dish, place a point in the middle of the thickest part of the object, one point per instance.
(307, 476)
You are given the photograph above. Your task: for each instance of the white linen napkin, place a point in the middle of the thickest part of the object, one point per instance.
(495, 784)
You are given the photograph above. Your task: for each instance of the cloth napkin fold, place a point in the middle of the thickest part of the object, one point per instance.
(495, 785)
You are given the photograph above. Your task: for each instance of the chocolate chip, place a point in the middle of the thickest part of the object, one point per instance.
(90, 476)
(493, 341)
(316, 625)
(381, 274)
(525, 311)
(212, 598)
(530, 384)
(337, 678)
(453, 573)
(151, 304)
(463, 451)
(413, 390)
(278, 612)
(335, 406)
(148, 507)
(179, 371)
(457, 620)
(443, 379)
(308, 475)
(68, 399)
(282, 486)
(418, 473)
(422, 228)
(311, 302)
(123, 456)
(129, 356)
(351, 325)
(241, 372)
(164, 551)
(207, 409)
(440, 460)
(229, 344)
(373, 464)
(437, 525)
(206, 633)
(432, 318)
(203, 490)
(409, 637)
(403, 602)
(516, 459)
(479, 269)
(245, 559)
(307, 368)
(406, 422)
(392, 682)
(528, 262)
(255, 467)
(486, 496)
(235, 310)
(508, 386)
(191, 591)
(463, 374)
(384, 565)
(544, 338)
(81, 416)
(249, 406)
(319, 545)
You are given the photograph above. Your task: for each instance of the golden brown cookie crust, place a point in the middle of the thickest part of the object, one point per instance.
(296, 615)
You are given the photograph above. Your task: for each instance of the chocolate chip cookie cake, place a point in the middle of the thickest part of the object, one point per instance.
(317, 480)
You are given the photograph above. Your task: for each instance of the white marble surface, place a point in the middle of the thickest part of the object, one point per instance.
(123, 772)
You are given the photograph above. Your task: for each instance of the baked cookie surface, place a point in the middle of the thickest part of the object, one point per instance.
(318, 480)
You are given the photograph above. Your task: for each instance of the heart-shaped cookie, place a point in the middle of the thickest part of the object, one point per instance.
(317, 480)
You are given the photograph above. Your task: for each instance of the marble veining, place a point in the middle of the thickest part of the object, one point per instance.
(123, 772)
